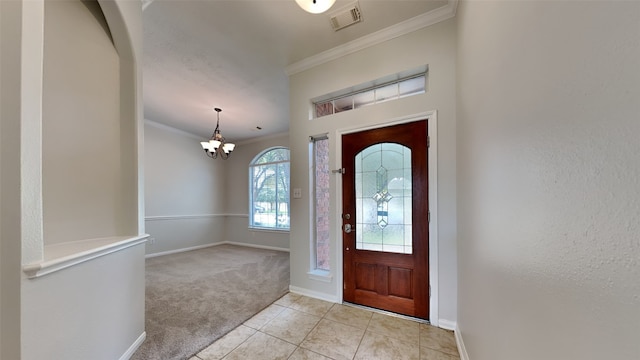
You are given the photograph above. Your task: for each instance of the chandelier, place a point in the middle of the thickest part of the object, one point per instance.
(315, 6)
(217, 144)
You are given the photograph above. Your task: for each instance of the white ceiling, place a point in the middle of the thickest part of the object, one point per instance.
(233, 54)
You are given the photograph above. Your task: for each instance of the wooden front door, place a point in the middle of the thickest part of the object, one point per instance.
(385, 218)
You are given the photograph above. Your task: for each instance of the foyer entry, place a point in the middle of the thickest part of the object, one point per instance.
(385, 218)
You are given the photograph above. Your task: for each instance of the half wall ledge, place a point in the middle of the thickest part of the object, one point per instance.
(61, 256)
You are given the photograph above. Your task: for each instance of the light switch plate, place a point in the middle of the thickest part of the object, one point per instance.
(297, 193)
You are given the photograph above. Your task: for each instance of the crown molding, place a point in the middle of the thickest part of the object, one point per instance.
(146, 3)
(421, 21)
(262, 138)
(172, 129)
(200, 138)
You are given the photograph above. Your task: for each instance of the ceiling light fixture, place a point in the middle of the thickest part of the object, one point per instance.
(315, 6)
(217, 145)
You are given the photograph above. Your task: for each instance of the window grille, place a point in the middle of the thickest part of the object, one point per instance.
(368, 94)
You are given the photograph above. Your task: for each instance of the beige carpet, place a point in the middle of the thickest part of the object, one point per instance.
(195, 297)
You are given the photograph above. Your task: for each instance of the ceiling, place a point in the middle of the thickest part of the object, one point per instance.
(234, 54)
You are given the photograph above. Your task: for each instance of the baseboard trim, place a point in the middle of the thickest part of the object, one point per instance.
(198, 247)
(313, 294)
(447, 324)
(255, 246)
(183, 217)
(132, 349)
(462, 350)
(443, 323)
(177, 251)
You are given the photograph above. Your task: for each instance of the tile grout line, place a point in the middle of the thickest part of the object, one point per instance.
(252, 335)
(363, 335)
(359, 343)
(324, 316)
(310, 331)
(245, 340)
(297, 346)
(419, 341)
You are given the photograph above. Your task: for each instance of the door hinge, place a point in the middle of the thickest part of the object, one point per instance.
(428, 141)
(429, 216)
(429, 290)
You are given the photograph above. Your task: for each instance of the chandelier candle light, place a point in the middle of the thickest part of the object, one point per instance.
(217, 144)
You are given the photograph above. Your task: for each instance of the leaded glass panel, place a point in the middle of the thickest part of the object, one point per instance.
(383, 198)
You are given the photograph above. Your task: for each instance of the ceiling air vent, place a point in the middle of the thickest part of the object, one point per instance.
(346, 16)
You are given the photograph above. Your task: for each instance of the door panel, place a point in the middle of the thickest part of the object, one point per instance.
(365, 277)
(385, 212)
(400, 282)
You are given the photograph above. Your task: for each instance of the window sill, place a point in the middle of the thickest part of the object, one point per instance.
(320, 275)
(273, 230)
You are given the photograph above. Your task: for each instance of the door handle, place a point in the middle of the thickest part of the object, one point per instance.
(347, 228)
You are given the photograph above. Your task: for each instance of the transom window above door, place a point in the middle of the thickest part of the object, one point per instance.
(396, 86)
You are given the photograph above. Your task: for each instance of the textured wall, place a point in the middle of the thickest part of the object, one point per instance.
(95, 309)
(11, 46)
(213, 194)
(435, 46)
(548, 184)
(180, 180)
(81, 169)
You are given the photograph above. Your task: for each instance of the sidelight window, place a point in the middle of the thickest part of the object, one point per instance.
(320, 176)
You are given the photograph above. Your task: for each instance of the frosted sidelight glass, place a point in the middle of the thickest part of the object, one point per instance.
(383, 198)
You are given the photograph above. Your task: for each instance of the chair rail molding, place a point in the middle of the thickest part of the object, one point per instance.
(61, 256)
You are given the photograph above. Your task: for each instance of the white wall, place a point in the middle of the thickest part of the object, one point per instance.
(94, 310)
(29, 307)
(192, 200)
(237, 195)
(185, 191)
(125, 25)
(548, 179)
(433, 46)
(81, 172)
(10, 254)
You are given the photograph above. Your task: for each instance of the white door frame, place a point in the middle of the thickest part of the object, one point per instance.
(432, 128)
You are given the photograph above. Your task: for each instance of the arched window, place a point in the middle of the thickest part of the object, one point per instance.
(269, 190)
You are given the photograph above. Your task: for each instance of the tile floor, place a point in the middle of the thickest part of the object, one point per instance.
(298, 327)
